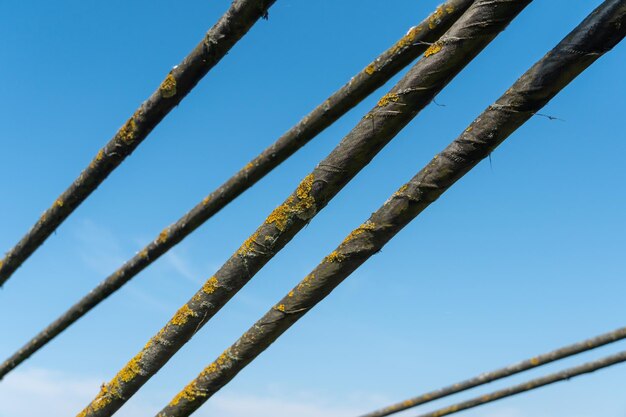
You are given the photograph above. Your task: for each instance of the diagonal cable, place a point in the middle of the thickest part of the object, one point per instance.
(231, 27)
(446, 58)
(381, 70)
(498, 374)
(534, 384)
(597, 34)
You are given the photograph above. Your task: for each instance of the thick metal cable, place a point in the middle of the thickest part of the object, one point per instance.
(530, 385)
(597, 34)
(446, 58)
(498, 374)
(388, 64)
(231, 27)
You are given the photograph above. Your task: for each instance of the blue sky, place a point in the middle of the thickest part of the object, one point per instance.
(520, 257)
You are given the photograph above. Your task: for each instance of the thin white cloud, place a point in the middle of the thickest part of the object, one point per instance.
(183, 267)
(103, 252)
(40, 392)
(151, 301)
(100, 249)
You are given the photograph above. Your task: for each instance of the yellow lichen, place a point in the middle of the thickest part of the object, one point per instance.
(210, 369)
(248, 245)
(143, 253)
(97, 159)
(131, 370)
(304, 192)
(290, 292)
(406, 40)
(182, 315)
(401, 191)
(206, 200)
(388, 98)
(151, 341)
(435, 18)
(370, 69)
(281, 214)
(59, 203)
(449, 9)
(221, 360)
(306, 282)
(101, 401)
(163, 236)
(334, 257)
(297, 205)
(214, 367)
(189, 393)
(158, 338)
(469, 129)
(210, 286)
(127, 132)
(248, 166)
(168, 87)
(534, 361)
(435, 48)
(113, 388)
(281, 307)
(104, 390)
(367, 226)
